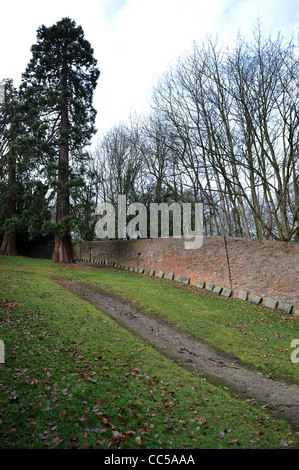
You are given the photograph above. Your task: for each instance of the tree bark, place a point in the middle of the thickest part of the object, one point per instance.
(8, 246)
(63, 250)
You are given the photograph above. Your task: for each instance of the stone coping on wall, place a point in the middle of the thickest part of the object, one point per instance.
(241, 294)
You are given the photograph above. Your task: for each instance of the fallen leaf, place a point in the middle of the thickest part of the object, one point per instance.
(284, 443)
(62, 413)
(57, 440)
(234, 442)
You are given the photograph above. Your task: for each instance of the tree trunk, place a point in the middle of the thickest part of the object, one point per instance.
(8, 246)
(63, 250)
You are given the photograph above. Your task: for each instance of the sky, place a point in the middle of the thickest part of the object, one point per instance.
(135, 41)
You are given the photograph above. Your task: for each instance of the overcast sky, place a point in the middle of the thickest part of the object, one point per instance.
(134, 41)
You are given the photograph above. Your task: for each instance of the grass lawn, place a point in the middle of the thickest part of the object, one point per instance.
(260, 338)
(74, 378)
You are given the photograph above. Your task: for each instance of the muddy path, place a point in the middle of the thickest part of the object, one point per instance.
(191, 353)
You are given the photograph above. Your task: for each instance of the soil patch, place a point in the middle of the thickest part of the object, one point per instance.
(191, 353)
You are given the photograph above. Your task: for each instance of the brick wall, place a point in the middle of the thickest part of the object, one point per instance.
(266, 268)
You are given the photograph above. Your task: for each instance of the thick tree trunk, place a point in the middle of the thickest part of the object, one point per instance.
(8, 246)
(63, 250)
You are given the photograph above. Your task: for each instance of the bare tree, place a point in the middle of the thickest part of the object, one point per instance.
(236, 134)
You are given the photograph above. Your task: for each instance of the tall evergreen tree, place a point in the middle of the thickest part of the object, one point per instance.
(8, 162)
(57, 92)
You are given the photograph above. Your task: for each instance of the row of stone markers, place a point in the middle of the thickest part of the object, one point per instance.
(255, 299)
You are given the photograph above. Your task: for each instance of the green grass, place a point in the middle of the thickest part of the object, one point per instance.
(74, 378)
(258, 337)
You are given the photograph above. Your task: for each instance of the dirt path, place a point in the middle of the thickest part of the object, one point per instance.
(191, 353)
